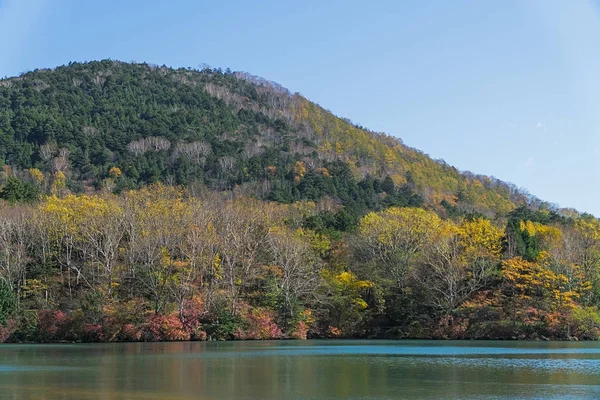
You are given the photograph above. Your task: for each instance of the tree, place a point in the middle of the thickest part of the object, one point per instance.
(7, 301)
(15, 191)
(157, 220)
(394, 238)
(242, 235)
(530, 287)
(14, 243)
(347, 308)
(295, 268)
(460, 261)
(101, 233)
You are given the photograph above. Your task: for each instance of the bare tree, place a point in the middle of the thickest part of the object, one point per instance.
(101, 238)
(296, 274)
(157, 221)
(61, 161)
(241, 235)
(13, 246)
(196, 152)
(150, 143)
(47, 151)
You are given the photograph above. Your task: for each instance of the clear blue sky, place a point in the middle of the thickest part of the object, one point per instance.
(508, 88)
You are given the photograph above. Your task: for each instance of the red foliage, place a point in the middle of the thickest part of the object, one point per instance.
(130, 333)
(165, 328)
(450, 327)
(92, 333)
(123, 321)
(190, 317)
(8, 330)
(300, 331)
(49, 324)
(303, 325)
(333, 331)
(199, 335)
(260, 326)
(240, 334)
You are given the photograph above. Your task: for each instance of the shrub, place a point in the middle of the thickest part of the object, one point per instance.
(48, 324)
(300, 331)
(259, 325)
(123, 321)
(164, 328)
(586, 323)
(190, 316)
(7, 330)
(7, 301)
(92, 333)
(302, 326)
(130, 333)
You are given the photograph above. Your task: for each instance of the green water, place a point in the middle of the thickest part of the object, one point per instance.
(328, 370)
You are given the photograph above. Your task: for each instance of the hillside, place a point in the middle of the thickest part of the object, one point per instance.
(144, 203)
(221, 129)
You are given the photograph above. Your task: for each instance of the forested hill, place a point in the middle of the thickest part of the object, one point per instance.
(222, 129)
(145, 203)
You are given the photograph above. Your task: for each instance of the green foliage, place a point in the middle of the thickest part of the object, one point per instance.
(288, 221)
(17, 191)
(7, 301)
(222, 326)
(586, 322)
(219, 128)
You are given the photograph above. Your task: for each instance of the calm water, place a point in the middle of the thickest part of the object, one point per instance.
(329, 370)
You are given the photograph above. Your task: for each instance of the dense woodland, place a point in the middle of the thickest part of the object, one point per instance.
(139, 202)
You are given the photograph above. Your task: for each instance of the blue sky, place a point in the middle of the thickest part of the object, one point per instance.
(508, 88)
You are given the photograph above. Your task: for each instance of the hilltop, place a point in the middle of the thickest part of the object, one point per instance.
(222, 129)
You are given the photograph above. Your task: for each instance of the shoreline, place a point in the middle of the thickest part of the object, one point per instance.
(549, 340)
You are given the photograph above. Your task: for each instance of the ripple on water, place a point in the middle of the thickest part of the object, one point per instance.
(390, 351)
(572, 365)
(32, 368)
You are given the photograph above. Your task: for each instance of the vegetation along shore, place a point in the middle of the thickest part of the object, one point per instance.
(143, 203)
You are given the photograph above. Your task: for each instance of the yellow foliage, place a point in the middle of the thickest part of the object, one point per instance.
(341, 139)
(217, 266)
(323, 172)
(36, 175)
(299, 169)
(530, 279)
(549, 236)
(482, 237)
(115, 172)
(411, 226)
(59, 182)
(398, 179)
(589, 228)
(348, 279)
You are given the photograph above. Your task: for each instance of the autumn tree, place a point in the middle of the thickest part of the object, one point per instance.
(459, 261)
(157, 220)
(14, 244)
(294, 267)
(393, 239)
(242, 233)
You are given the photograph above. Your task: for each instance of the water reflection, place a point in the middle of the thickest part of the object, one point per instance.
(302, 370)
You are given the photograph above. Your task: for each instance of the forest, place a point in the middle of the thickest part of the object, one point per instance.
(143, 203)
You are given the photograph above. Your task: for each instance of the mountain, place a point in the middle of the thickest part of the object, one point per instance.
(222, 129)
(140, 202)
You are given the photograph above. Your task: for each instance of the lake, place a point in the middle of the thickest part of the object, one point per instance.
(302, 370)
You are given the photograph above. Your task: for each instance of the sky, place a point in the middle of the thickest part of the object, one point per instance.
(507, 88)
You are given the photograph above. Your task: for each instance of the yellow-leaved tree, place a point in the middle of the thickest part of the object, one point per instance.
(394, 239)
(85, 232)
(459, 261)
